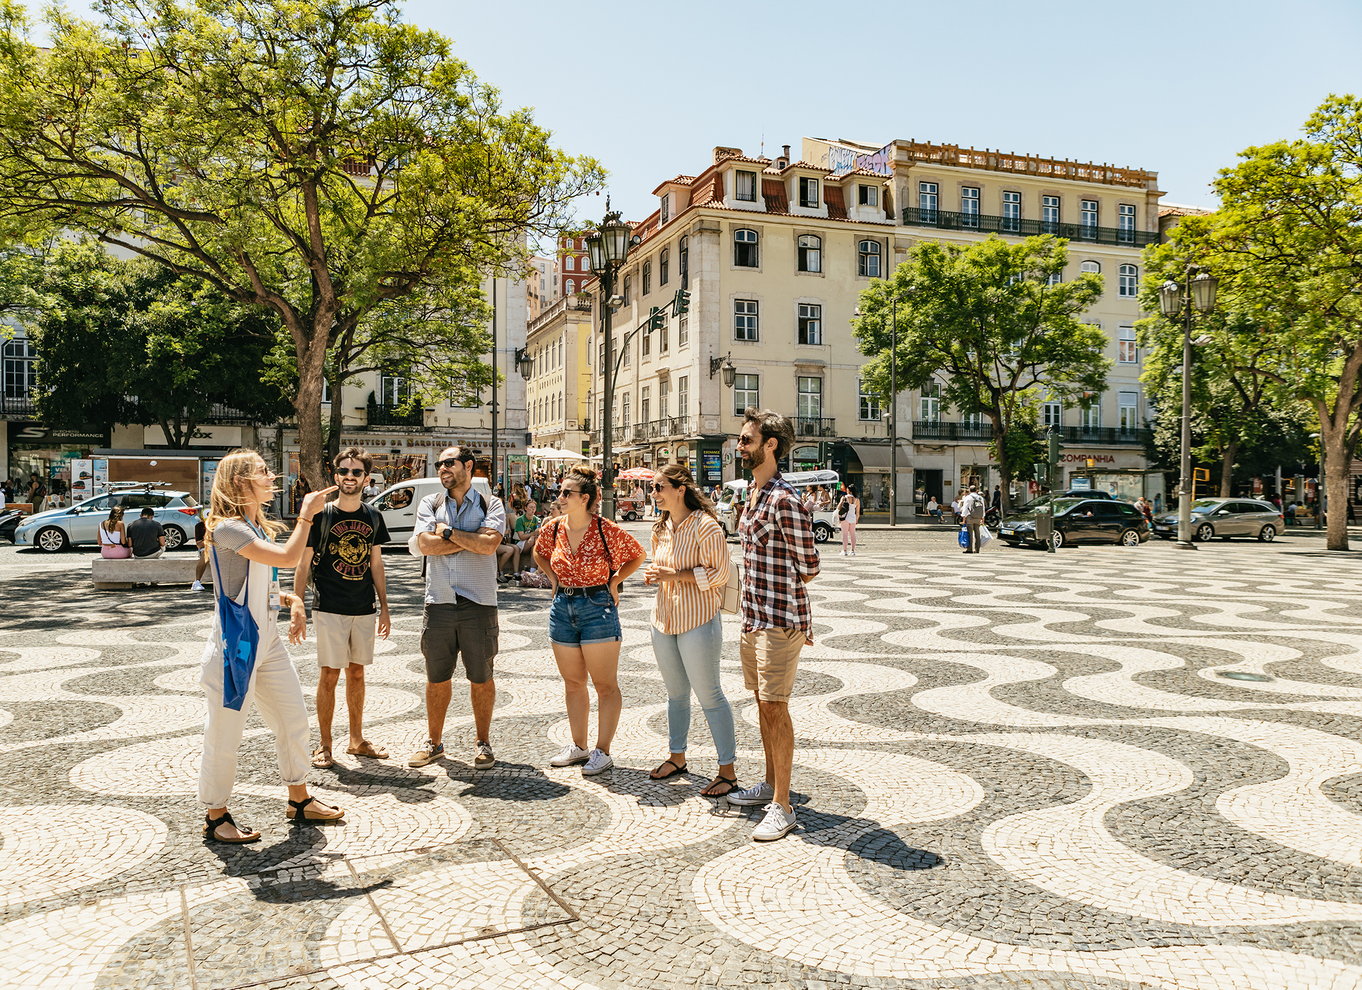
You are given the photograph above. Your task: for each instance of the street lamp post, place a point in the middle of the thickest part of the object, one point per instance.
(608, 247)
(1178, 299)
(893, 405)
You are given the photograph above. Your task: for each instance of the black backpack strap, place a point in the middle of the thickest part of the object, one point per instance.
(605, 544)
(328, 518)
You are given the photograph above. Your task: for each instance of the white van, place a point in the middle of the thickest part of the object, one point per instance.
(398, 504)
(825, 522)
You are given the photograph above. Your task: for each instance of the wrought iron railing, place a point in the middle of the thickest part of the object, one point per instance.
(386, 415)
(928, 429)
(1104, 435)
(814, 426)
(985, 223)
(17, 405)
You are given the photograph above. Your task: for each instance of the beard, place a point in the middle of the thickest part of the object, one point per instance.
(754, 458)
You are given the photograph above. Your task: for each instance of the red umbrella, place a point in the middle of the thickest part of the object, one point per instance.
(635, 474)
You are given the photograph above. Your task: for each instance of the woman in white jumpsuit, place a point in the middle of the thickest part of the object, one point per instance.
(245, 562)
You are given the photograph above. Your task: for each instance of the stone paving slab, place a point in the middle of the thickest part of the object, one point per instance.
(1012, 770)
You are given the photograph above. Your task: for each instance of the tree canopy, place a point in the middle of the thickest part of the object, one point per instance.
(132, 342)
(992, 320)
(318, 160)
(1287, 247)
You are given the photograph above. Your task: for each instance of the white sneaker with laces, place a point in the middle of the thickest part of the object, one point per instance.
(570, 754)
(777, 823)
(597, 763)
(197, 586)
(754, 796)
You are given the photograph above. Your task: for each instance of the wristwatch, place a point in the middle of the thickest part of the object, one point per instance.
(449, 532)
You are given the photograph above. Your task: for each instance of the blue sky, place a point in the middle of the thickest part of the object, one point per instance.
(651, 88)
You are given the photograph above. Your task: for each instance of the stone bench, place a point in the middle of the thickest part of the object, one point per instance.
(117, 574)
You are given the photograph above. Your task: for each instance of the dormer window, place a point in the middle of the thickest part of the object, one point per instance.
(666, 207)
(745, 186)
(867, 195)
(808, 193)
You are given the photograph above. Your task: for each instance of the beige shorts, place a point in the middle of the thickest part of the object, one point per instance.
(344, 639)
(770, 658)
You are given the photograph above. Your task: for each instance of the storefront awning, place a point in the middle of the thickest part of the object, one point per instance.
(875, 456)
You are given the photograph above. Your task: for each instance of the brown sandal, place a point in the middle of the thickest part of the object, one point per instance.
(321, 758)
(298, 811)
(210, 830)
(366, 748)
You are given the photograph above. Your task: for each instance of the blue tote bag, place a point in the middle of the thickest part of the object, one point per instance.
(240, 637)
(963, 538)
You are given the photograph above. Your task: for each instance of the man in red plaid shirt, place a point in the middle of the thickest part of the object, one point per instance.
(779, 557)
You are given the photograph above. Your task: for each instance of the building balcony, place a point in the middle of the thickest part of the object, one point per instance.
(382, 415)
(983, 223)
(814, 426)
(1114, 436)
(17, 406)
(930, 429)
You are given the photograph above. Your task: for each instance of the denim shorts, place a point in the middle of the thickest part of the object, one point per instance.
(575, 620)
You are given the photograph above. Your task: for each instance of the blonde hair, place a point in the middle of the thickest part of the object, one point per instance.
(231, 497)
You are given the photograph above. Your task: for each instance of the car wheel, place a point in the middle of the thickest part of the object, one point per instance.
(1203, 533)
(1267, 534)
(51, 539)
(1130, 538)
(822, 532)
(174, 537)
(1057, 539)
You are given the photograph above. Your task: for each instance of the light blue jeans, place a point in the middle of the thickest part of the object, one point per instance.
(690, 660)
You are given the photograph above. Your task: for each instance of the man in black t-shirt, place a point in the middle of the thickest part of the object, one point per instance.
(346, 566)
(148, 537)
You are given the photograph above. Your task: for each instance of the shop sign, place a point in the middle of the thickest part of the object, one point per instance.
(33, 433)
(1088, 459)
(203, 436)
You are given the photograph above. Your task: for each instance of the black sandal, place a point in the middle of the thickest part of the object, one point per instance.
(670, 773)
(720, 779)
(297, 811)
(210, 830)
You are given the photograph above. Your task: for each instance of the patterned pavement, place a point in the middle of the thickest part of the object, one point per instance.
(1107, 768)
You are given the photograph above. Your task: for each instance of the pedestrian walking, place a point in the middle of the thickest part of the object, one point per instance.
(458, 531)
(690, 568)
(996, 505)
(779, 558)
(972, 508)
(848, 512)
(345, 569)
(247, 599)
(113, 536)
(201, 545)
(586, 559)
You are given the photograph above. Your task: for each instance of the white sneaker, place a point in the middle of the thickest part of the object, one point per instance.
(754, 796)
(853, 553)
(777, 823)
(570, 754)
(597, 763)
(197, 586)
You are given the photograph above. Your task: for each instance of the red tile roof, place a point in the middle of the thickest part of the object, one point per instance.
(773, 191)
(832, 195)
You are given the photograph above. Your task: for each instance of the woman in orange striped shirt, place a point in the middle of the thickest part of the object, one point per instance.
(690, 568)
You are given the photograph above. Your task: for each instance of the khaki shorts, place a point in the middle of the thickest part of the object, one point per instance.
(770, 658)
(344, 639)
(462, 629)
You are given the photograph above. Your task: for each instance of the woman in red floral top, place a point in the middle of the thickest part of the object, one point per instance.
(586, 558)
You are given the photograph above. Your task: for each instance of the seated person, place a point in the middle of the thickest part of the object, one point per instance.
(934, 509)
(147, 536)
(507, 550)
(400, 499)
(526, 528)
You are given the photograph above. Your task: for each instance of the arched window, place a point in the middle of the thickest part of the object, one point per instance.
(569, 264)
(868, 259)
(1129, 285)
(810, 253)
(744, 248)
(571, 286)
(1090, 267)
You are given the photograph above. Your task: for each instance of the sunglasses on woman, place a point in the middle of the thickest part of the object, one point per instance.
(655, 487)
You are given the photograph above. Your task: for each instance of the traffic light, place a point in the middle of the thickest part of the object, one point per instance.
(657, 320)
(681, 301)
(1052, 449)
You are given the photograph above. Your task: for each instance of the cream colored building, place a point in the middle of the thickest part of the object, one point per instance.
(775, 254)
(556, 395)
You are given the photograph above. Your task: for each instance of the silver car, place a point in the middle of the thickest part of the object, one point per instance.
(1225, 518)
(57, 529)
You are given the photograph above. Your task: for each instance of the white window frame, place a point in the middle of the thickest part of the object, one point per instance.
(1052, 414)
(1049, 214)
(867, 195)
(1128, 283)
(809, 324)
(747, 320)
(868, 404)
(868, 258)
(1128, 412)
(808, 192)
(928, 201)
(746, 392)
(809, 396)
(1012, 211)
(744, 182)
(929, 403)
(809, 256)
(969, 206)
(752, 244)
(1127, 349)
(683, 396)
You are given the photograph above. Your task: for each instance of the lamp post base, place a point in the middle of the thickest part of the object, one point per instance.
(1188, 545)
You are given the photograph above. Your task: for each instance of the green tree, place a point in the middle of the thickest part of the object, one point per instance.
(131, 342)
(318, 160)
(1287, 244)
(990, 319)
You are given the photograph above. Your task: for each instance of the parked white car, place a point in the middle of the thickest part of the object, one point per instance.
(825, 522)
(398, 504)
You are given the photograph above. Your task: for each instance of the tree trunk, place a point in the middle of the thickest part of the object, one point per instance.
(307, 407)
(333, 435)
(1334, 442)
(1227, 468)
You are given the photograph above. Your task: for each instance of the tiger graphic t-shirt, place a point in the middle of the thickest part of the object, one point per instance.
(341, 565)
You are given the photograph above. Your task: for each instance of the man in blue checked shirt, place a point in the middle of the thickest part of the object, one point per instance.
(779, 557)
(458, 531)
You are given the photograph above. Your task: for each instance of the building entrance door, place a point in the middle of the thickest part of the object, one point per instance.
(930, 484)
